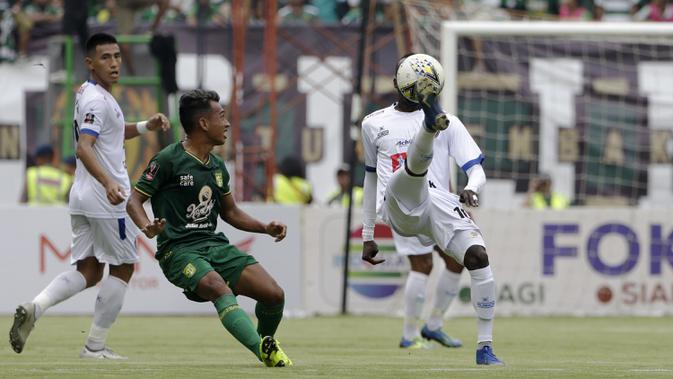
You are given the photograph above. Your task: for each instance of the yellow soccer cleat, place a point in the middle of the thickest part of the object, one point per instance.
(271, 353)
(416, 343)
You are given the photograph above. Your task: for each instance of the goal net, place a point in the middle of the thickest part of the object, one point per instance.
(588, 104)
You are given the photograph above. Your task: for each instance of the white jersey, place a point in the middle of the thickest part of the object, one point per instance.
(387, 134)
(97, 113)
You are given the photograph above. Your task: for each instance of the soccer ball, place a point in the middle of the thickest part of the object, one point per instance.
(412, 68)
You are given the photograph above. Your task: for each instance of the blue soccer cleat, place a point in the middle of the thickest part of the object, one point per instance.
(485, 356)
(427, 92)
(441, 337)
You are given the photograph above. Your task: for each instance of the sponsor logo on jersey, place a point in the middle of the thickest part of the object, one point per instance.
(403, 142)
(200, 212)
(382, 132)
(186, 180)
(152, 170)
(218, 178)
(89, 118)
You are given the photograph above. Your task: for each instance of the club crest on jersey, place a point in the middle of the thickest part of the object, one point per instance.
(219, 179)
(152, 170)
(89, 118)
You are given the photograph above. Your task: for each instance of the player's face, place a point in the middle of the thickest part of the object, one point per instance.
(217, 123)
(105, 64)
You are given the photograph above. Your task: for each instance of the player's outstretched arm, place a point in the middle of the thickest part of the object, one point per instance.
(369, 247)
(136, 211)
(475, 182)
(157, 122)
(236, 217)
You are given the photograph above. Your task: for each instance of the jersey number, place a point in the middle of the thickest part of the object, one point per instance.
(398, 160)
(461, 212)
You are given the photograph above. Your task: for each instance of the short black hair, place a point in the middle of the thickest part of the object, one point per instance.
(97, 40)
(194, 104)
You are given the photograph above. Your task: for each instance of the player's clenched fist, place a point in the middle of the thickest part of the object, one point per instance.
(470, 198)
(369, 251)
(276, 229)
(158, 121)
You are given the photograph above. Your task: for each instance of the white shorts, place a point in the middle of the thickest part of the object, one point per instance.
(111, 241)
(438, 218)
(411, 245)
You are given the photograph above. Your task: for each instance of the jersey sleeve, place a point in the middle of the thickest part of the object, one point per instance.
(93, 117)
(462, 146)
(155, 175)
(225, 178)
(369, 147)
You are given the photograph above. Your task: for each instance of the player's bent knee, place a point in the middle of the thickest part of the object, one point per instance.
(212, 286)
(421, 263)
(475, 257)
(276, 296)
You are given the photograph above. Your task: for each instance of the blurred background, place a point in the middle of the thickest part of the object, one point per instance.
(570, 100)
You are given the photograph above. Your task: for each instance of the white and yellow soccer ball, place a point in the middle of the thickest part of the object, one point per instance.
(412, 68)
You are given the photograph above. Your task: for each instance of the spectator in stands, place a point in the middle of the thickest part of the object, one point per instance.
(297, 12)
(75, 15)
(340, 196)
(33, 15)
(615, 10)
(517, 9)
(210, 12)
(290, 184)
(46, 184)
(541, 196)
(7, 28)
(572, 10)
(125, 12)
(657, 11)
(327, 10)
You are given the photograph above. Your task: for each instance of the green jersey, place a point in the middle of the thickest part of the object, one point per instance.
(188, 194)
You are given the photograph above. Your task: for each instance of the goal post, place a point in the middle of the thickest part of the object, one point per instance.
(589, 104)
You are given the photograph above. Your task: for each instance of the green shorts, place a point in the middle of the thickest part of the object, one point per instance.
(185, 267)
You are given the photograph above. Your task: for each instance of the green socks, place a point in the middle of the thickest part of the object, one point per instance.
(237, 322)
(268, 318)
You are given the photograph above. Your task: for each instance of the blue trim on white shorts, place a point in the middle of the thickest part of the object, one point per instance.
(370, 168)
(89, 132)
(473, 162)
(122, 228)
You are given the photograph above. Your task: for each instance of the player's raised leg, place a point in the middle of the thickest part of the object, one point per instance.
(410, 185)
(446, 290)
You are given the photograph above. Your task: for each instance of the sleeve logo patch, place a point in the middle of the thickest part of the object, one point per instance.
(219, 179)
(152, 170)
(89, 118)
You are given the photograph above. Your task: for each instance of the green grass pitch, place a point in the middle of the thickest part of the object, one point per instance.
(363, 347)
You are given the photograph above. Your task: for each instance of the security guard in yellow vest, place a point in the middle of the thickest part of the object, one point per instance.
(290, 185)
(540, 195)
(46, 184)
(340, 196)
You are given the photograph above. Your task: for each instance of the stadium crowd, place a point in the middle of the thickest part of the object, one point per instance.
(22, 20)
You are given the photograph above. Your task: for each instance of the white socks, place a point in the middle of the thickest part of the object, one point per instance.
(447, 289)
(108, 304)
(419, 155)
(61, 288)
(483, 300)
(414, 298)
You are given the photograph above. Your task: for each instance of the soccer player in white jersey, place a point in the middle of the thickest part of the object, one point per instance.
(398, 152)
(101, 230)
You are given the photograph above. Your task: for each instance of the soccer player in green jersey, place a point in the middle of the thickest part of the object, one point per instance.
(189, 188)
